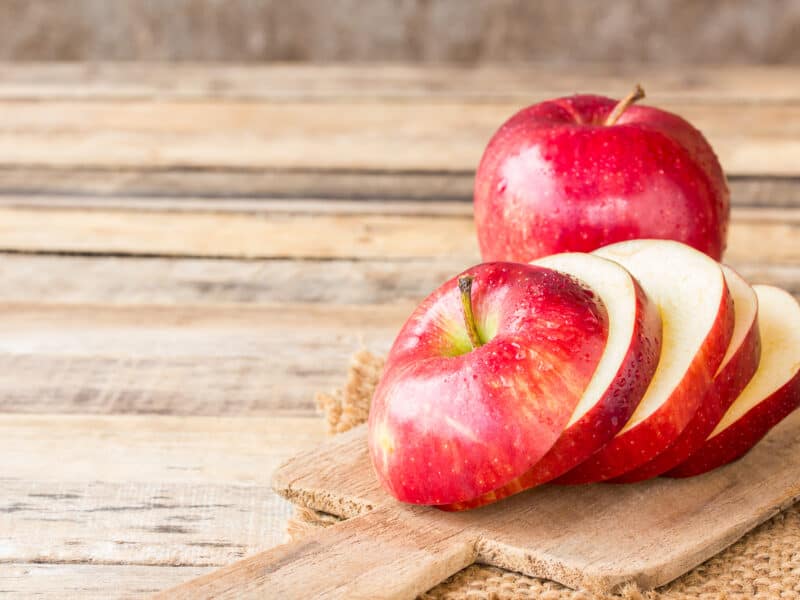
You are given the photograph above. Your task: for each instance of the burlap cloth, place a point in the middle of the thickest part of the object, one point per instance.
(763, 564)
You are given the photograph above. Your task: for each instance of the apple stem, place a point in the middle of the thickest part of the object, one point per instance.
(636, 95)
(465, 285)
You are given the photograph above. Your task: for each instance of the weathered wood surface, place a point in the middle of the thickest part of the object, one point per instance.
(89, 581)
(315, 236)
(345, 135)
(188, 253)
(157, 491)
(270, 189)
(390, 81)
(182, 359)
(596, 537)
(152, 490)
(128, 280)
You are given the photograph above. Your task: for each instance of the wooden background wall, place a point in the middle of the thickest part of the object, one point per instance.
(561, 31)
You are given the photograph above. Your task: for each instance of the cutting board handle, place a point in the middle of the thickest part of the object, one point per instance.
(385, 553)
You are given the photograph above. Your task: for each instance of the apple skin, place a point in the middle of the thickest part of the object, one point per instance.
(736, 440)
(746, 431)
(555, 179)
(607, 416)
(729, 381)
(639, 444)
(449, 423)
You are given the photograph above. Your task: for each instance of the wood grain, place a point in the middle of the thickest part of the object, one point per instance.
(70, 279)
(182, 360)
(188, 281)
(271, 190)
(144, 490)
(158, 233)
(382, 554)
(216, 240)
(596, 537)
(141, 523)
(89, 582)
(335, 82)
(563, 32)
(316, 236)
(129, 449)
(750, 139)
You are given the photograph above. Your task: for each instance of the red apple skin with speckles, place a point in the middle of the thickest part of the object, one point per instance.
(735, 441)
(779, 317)
(728, 383)
(555, 179)
(645, 440)
(449, 423)
(608, 415)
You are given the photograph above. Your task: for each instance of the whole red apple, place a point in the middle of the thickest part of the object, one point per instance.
(482, 380)
(577, 173)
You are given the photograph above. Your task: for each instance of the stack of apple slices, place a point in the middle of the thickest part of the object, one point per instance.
(486, 391)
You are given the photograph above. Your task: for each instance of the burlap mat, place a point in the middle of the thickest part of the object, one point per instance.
(763, 564)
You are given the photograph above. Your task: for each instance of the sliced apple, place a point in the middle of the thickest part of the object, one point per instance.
(628, 362)
(737, 368)
(772, 393)
(697, 319)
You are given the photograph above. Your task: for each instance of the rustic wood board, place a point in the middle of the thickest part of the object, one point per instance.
(596, 537)
(375, 135)
(167, 277)
(287, 82)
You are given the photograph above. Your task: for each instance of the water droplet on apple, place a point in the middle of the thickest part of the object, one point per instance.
(501, 186)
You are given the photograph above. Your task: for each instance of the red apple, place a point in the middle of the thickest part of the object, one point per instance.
(577, 173)
(626, 366)
(481, 381)
(772, 393)
(697, 324)
(737, 368)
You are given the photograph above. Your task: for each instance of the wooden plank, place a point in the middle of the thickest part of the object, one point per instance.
(386, 553)
(258, 190)
(147, 523)
(316, 236)
(151, 450)
(234, 183)
(144, 490)
(249, 206)
(89, 582)
(595, 537)
(170, 281)
(241, 235)
(368, 81)
(564, 32)
(213, 360)
(751, 139)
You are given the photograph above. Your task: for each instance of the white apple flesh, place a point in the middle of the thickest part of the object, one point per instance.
(628, 362)
(737, 368)
(771, 395)
(697, 320)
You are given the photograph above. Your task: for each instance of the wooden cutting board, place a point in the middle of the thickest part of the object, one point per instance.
(595, 537)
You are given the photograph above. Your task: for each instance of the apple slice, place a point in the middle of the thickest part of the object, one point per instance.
(481, 381)
(628, 362)
(737, 368)
(697, 317)
(772, 393)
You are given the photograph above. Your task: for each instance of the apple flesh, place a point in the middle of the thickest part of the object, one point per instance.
(560, 176)
(628, 362)
(771, 395)
(737, 368)
(478, 386)
(697, 325)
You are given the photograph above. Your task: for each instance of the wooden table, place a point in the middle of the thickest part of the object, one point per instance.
(189, 253)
